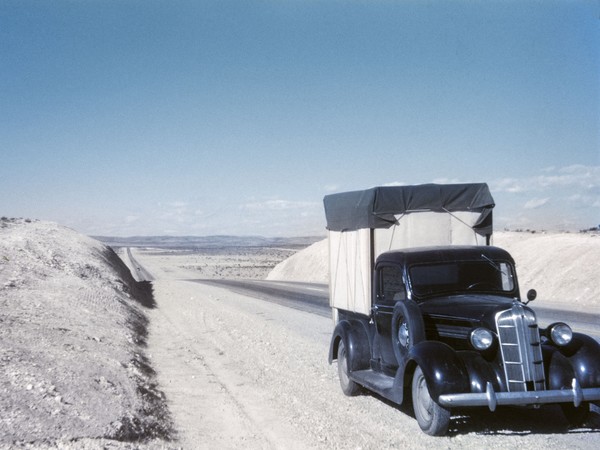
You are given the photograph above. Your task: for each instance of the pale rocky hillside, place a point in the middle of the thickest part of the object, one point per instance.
(72, 335)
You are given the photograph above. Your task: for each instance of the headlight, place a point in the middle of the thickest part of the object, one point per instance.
(560, 333)
(481, 338)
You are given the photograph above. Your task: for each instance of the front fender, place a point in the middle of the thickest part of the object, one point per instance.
(356, 341)
(482, 372)
(558, 369)
(583, 352)
(442, 367)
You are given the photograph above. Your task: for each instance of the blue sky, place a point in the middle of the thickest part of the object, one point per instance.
(238, 116)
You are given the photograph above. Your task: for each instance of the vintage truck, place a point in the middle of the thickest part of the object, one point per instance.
(426, 310)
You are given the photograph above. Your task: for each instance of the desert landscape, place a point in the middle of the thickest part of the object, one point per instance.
(92, 358)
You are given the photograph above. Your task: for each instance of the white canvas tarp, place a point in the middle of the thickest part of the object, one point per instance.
(352, 252)
(350, 270)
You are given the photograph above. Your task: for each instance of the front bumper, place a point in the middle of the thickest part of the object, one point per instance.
(491, 399)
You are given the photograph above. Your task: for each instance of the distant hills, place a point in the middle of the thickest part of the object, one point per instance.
(198, 242)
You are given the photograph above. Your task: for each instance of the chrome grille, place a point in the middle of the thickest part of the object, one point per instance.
(519, 338)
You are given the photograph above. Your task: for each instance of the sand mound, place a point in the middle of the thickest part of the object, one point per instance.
(309, 265)
(562, 267)
(71, 332)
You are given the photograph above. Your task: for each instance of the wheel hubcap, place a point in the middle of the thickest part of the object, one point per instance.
(343, 367)
(403, 336)
(424, 402)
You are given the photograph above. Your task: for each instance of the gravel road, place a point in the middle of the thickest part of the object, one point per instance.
(238, 371)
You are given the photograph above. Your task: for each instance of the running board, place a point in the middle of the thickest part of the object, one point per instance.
(379, 383)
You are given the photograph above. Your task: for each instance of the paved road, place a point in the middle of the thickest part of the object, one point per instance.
(307, 297)
(314, 298)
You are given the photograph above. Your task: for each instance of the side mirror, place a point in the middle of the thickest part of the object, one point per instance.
(531, 295)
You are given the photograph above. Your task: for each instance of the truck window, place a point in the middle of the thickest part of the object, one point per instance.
(460, 277)
(391, 285)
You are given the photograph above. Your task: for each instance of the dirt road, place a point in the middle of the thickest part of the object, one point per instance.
(241, 372)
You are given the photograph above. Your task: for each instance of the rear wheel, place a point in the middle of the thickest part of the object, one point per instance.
(349, 387)
(431, 417)
(576, 416)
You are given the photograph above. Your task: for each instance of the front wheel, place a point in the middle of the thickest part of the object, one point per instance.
(349, 387)
(408, 329)
(431, 417)
(576, 416)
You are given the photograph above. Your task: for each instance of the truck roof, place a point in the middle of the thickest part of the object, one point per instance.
(379, 207)
(444, 253)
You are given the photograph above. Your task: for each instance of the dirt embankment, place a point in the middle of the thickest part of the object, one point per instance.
(73, 331)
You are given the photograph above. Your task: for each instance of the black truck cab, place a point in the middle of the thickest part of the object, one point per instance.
(448, 328)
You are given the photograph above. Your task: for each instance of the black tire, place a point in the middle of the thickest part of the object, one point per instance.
(431, 417)
(576, 416)
(349, 387)
(408, 328)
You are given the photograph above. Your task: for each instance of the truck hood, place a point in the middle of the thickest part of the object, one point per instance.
(472, 308)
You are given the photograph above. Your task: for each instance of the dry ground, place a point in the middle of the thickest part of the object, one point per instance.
(262, 381)
(235, 371)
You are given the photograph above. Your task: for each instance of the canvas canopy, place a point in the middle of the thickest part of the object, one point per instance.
(364, 224)
(380, 207)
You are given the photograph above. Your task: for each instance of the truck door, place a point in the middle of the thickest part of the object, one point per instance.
(389, 289)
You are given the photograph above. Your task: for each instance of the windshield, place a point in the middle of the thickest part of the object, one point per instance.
(459, 277)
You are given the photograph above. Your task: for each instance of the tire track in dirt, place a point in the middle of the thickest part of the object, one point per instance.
(202, 391)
